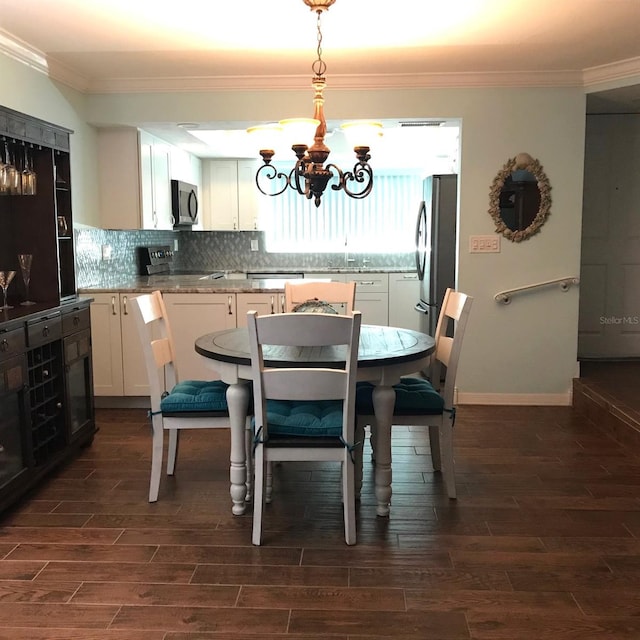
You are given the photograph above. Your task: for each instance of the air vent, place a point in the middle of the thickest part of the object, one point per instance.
(422, 123)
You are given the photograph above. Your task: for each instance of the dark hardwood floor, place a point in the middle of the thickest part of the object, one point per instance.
(543, 542)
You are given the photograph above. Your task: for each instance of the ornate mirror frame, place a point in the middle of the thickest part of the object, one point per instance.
(523, 161)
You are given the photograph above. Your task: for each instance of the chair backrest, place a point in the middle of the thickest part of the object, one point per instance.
(330, 292)
(157, 345)
(456, 307)
(297, 330)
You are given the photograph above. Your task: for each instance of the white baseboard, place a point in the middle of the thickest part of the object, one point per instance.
(519, 399)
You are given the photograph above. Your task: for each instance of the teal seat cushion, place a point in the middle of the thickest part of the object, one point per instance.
(304, 418)
(414, 396)
(201, 396)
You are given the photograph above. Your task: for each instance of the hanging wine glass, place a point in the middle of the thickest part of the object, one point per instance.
(5, 280)
(28, 176)
(10, 178)
(4, 170)
(25, 260)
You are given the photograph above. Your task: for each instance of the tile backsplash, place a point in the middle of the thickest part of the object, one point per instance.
(204, 252)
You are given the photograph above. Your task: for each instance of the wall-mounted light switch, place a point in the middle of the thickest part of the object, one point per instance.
(484, 244)
(175, 244)
(254, 245)
(106, 251)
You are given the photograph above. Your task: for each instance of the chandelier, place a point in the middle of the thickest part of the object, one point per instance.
(310, 175)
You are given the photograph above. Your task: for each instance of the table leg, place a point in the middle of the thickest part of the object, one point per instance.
(384, 398)
(238, 402)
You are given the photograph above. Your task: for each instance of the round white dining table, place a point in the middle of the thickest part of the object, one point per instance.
(384, 355)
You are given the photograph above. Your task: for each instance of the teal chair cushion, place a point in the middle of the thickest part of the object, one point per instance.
(414, 396)
(196, 396)
(304, 418)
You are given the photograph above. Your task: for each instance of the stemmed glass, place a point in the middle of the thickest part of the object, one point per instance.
(28, 177)
(5, 280)
(25, 259)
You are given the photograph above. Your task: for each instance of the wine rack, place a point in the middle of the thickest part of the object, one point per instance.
(46, 393)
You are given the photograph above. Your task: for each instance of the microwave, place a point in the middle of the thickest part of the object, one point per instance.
(184, 203)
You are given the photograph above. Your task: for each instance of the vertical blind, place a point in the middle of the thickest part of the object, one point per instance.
(383, 222)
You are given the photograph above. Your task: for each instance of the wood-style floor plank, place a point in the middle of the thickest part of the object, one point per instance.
(543, 542)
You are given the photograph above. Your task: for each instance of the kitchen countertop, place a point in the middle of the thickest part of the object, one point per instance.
(190, 284)
(200, 283)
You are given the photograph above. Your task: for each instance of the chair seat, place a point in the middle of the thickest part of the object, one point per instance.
(304, 418)
(196, 396)
(414, 396)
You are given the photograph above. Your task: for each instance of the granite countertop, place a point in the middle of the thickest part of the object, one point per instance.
(202, 283)
(189, 284)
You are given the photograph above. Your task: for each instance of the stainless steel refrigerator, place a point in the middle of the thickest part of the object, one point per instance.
(436, 246)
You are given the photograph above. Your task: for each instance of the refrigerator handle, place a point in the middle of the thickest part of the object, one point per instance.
(422, 307)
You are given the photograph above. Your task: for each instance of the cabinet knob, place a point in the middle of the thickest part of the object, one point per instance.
(45, 331)
(58, 405)
(4, 345)
(76, 321)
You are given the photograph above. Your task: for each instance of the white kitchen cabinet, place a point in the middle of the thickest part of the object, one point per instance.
(134, 180)
(192, 315)
(118, 362)
(263, 303)
(372, 297)
(404, 293)
(230, 195)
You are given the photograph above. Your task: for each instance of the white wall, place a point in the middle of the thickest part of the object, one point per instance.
(521, 353)
(31, 92)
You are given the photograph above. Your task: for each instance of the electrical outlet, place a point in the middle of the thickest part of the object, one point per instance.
(484, 244)
(254, 245)
(175, 244)
(106, 251)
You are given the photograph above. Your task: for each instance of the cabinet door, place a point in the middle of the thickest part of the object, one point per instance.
(155, 182)
(372, 297)
(220, 195)
(161, 184)
(247, 195)
(263, 303)
(119, 184)
(106, 343)
(404, 293)
(134, 370)
(192, 315)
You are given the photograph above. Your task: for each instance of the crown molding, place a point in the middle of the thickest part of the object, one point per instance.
(343, 82)
(620, 70)
(23, 52)
(36, 59)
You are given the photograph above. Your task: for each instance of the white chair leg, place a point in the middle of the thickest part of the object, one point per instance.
(446, 449)
(172, 453)
(258, 497)
(348, 500)
(157, 446)
(434, 442)
(248, 451)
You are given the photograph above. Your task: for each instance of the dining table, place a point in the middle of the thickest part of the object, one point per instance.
(384, 355)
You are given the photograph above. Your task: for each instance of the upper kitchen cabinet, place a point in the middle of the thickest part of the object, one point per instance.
(35, 212)
(134, 181)
(230, 196)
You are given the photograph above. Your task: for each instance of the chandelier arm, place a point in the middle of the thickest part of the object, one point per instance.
(297, 178)
(361, 174)
(269, 172)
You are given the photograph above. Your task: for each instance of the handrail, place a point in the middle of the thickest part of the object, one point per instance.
(565, 283)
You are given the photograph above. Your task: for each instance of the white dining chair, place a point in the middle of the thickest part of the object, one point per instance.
(313, 296)
(427, 402)
(304, 413)
(175, 404)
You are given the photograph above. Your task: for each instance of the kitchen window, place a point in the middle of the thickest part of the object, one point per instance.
(383, 222)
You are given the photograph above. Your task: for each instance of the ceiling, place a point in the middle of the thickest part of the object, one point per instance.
(111, 46)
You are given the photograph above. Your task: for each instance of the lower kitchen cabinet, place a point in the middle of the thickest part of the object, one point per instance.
(404, 293)
(263, 303)
(192, 315)
(118, 361)
(46, 397)
(372, 297)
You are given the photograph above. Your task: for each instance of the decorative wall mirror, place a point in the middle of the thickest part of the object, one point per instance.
(520, 198)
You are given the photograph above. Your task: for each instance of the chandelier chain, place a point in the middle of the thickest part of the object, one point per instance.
(319, 67)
